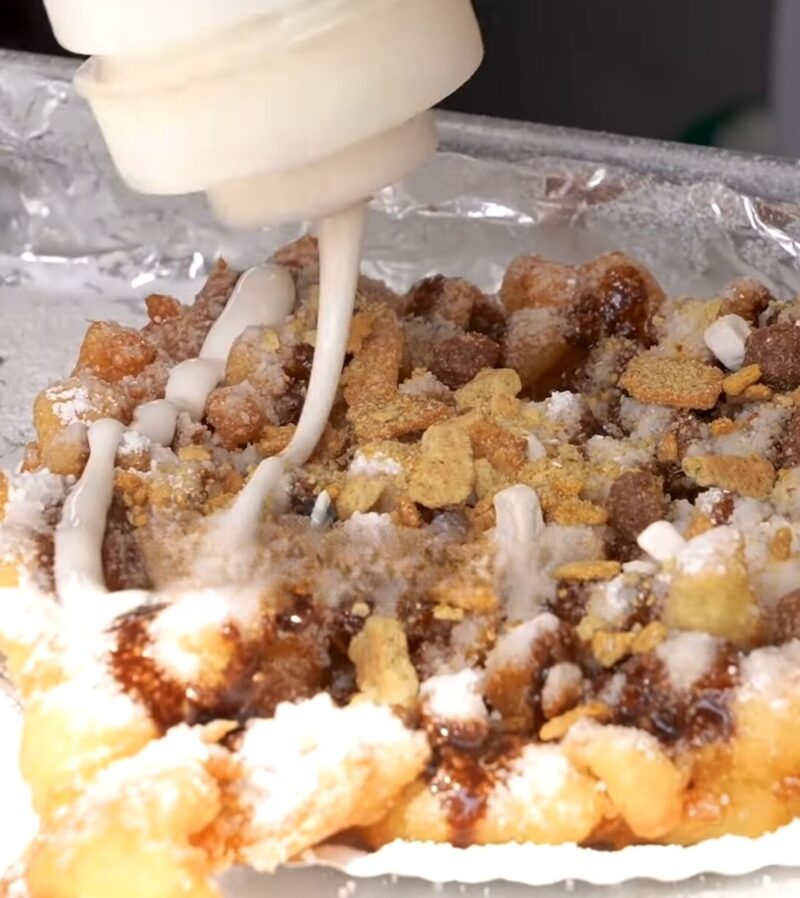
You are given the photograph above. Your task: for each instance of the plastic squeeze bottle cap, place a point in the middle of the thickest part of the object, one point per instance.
(279, 109)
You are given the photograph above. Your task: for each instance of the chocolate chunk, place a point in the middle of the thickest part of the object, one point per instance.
(489, 318)
(458, 359)
(787, 617)
(450, 298)
(776, 350)
(298, 365)
(790, 442)
(747, 298)
(635, 502)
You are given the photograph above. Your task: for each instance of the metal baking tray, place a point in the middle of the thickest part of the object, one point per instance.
(74, 243)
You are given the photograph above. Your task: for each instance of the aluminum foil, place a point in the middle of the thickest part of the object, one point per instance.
(75, 244)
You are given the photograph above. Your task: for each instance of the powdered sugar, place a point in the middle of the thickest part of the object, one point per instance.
(424, 383)
(455, 697)
(709, 551)
(177, 632)
(31, 496)
(373, 465)
(688, 657)
(566, 409)
(70, 406)
(285, 758)
(539, 773)
(513, 649)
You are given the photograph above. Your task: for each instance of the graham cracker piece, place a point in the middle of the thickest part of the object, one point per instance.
(359, 495)
(585, 571)
(275, 439)
(558, 727)
(780, 546)
(373, 374)
(678, 383)
(668, 449)
(505, 451)
(752, 475)
(735, 384)
(397, 417)
(574, 512)
(485, 386)
(445, 472)
(383, 668)
(479, 598)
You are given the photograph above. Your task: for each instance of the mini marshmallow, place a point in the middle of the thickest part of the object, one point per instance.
(639, 567)
(321, 512)
(536, 450)
(726, 338)
(661, 541)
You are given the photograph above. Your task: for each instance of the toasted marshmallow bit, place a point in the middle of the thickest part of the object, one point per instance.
(726, 338)
(536, 450)
(661, 541)
(322, 513)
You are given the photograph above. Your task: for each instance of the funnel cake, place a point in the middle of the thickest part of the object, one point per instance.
(537, 584)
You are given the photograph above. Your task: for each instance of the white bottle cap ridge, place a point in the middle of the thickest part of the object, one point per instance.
(287, 109)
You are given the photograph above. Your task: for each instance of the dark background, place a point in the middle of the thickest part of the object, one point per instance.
(681, 69)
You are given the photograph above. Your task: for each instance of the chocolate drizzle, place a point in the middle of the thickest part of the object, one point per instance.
(468, 761)
(698, 716)
(285, 661)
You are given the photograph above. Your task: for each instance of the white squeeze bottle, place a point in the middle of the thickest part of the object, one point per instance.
(278, 110)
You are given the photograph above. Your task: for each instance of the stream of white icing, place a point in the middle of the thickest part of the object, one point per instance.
(264, 296)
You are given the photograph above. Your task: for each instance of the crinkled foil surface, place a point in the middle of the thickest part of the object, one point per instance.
(76, 244)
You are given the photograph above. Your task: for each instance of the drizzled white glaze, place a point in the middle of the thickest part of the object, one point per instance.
(263, 296)
(340, 239)
(79, 536)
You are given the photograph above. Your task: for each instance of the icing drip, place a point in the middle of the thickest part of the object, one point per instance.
(340, 239)
(263, 296)
(79, 536)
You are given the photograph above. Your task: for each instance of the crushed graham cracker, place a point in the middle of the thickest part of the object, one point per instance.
(558, 727)
(752, 476)
(679, 383)
(584, 571)
(383, 668)
(445, 473)
(735, 384)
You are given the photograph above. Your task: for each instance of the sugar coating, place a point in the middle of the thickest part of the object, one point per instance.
(540, 772)
(611, 602)
(177, 632)
(30, 496)
(455, 697)
(287, 758)
(373, 465)
(770, 672)
(133, 441)
(709, 551)
(181, 749)
(71, 406)
(566, 409)
(424, 383)
(563, 679)
(688, 657)
(513, 649)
